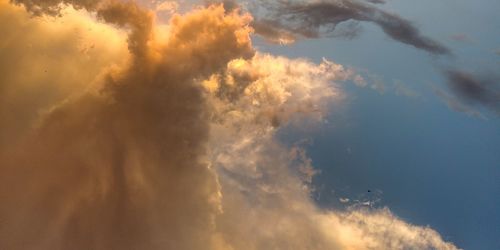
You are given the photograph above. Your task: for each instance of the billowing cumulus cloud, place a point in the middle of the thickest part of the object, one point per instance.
(165, 138)
(269, 184)
(45, 60)
(123, 167)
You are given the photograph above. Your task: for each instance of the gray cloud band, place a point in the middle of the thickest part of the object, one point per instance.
(475, 89)
(318, 18)
(376, 1)
(288, 20)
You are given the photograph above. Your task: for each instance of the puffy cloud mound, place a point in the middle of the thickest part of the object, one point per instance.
(266, 186)
(118, 133)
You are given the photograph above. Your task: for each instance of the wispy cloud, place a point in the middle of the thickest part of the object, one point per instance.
(402, 89)
(461, 37)
(376, 1)
(497, 51)
(317, 18)
(455, 104)
(483, 90)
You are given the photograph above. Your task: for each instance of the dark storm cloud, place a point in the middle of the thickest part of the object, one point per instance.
(475, 89)
(318, 18)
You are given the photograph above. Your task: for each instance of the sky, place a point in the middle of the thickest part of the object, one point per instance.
(432, 165)
(329, 124)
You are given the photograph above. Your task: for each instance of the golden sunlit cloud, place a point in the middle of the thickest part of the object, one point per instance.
(118, 133)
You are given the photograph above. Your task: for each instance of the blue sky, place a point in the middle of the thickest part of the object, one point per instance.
(429, 164)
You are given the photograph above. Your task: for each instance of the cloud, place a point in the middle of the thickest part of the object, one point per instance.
(54, 7)
(268, 183)
(167, 6)
(271, 89)
(316, 18)
(403, 89)
(475, 90)
(456, 105)
(461, 37)
(123, 167)
(166, 138)
(376, 1)
(46, 60)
